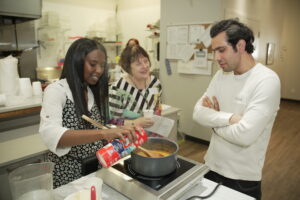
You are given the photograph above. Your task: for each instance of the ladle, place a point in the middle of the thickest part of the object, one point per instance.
(148, 152)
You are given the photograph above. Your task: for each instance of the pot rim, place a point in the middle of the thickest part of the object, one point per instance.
(159, 138)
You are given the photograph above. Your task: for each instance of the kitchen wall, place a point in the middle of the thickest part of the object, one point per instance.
(101, 17)
(134, 16)
(72, 18)
(182, 90)
(288, 51)
(279, 24)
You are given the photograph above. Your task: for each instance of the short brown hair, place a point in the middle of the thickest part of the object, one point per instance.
(130, 54)
(136, 42)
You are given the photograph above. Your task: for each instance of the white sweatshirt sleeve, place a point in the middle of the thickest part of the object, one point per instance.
(209, 117)
(51, 128)
(260, 110)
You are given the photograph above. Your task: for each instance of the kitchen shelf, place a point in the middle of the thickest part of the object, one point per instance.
(113, 44)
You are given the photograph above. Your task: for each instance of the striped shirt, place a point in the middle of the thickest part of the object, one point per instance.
(124, 96)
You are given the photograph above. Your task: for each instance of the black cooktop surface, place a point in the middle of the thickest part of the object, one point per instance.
(155, 183)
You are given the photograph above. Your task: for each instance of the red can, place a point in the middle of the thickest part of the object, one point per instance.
(117, 149)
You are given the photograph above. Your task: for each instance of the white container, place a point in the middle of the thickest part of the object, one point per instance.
(9, 76)
(148, 113)
(32, 182)
(2, 99)
(83, 188)
(37, 88)
(25, 87)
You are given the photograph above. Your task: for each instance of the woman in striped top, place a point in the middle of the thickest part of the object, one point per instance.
(135, 91)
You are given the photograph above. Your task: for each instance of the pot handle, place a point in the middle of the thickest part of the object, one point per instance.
(177, 164)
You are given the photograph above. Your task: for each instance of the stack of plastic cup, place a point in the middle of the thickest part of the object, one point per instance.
(37, 88)
(2, 99)
(25, 87)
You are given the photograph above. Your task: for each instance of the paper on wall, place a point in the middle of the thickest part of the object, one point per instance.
(205, 37)
(172, 51)
(172, 34)
(195, 32)
(189, 68)
(162, 125)
(186, 52)
(180, 51)
(200, 58)
(182, 34)
(177, 34)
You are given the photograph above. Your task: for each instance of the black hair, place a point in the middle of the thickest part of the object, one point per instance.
(131, 54)
(235, 31)
(73, 71)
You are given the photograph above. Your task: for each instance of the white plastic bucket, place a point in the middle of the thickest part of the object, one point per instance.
(32, 182)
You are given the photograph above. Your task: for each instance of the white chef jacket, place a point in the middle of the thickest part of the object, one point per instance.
(54, 99)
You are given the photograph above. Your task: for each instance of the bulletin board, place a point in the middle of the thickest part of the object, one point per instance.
(190, 46)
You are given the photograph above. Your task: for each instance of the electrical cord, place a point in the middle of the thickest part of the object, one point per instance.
(207, 196)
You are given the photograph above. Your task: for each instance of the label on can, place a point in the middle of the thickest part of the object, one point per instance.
(108, 155)
(118, 149)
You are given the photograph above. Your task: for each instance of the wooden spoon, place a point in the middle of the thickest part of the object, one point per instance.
(95, 123)
(150, 153)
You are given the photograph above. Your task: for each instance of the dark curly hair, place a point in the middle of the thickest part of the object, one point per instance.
(235, 31)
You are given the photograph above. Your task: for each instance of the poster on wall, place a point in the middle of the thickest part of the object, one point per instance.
(177, 34)
(195, 33)
(177, 39)
(200, 59)
(190, 46)
(192, 68)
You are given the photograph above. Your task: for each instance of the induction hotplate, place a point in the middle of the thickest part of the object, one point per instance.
(156, 183)
(187, 174)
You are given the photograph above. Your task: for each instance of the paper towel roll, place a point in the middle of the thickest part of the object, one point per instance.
(9, 77)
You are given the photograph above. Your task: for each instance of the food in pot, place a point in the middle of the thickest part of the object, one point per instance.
(154, 153)
(155, 167)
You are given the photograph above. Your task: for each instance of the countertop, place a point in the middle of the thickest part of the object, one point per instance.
(22, 143)
(19, 103)
(203, 188)
(14, 148)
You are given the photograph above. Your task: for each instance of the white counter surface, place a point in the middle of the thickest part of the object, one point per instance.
(203, 188)
(18, 103)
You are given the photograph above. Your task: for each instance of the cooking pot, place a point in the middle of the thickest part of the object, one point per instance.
(155, 167)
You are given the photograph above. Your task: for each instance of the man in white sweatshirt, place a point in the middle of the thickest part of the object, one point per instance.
(240, 105)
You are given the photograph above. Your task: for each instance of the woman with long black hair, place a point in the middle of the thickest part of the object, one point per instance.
(81, 90)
